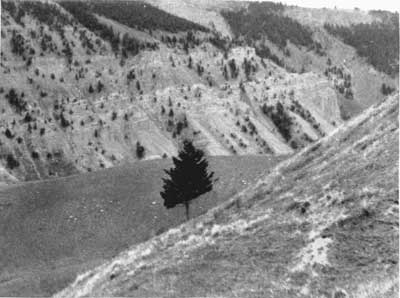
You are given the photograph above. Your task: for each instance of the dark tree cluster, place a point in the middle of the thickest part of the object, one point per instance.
(20, 48)
(17, 43)
(140, 15)
(266, 19)
(16, 12)
(47, 44)
(140, 150)
(342, 81)
(83, 12)
(264, 52)
(386, 89)
(249, 68)
(222, 43)
(378, 42)
(45, 12)
(200, 69)
(11, 162)
(67, 50)
(305, 114)
(63, 121)
(280, 118)
(233, 68)
(16, 101)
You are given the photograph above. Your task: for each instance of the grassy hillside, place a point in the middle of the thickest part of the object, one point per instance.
(53, 229)
(323, 223)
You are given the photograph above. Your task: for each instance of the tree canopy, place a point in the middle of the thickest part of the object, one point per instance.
(188, 179)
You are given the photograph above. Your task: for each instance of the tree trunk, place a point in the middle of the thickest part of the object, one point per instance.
(187, 210)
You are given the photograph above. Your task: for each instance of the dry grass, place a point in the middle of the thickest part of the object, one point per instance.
(54, 229)
(250, 251)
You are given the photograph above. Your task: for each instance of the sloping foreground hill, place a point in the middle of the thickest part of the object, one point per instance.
(322, 223)
(52, 230)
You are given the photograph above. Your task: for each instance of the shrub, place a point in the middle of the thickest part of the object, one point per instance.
(386, 90)
(100, 86)
(140, 150)
(35, 155)
(9, 134)
(11, 162)
(114, 116)
(64, 122)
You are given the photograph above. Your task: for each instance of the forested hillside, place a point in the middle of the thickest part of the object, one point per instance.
(143, 16)
(357, 51)
(265, 19)
(378, 42)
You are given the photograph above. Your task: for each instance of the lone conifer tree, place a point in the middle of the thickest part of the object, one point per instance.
(188, 179)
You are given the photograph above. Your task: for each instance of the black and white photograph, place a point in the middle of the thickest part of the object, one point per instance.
(199, 148)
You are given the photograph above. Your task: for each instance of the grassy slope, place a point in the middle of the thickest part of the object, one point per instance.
(50, 230)
(323, 222)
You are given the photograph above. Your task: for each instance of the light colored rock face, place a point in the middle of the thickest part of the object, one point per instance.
(322, 222)
(320, 16)
(102, 128)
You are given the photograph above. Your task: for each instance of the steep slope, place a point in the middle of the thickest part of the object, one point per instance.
(320, 16)
(297, 39)
(52, 230)
(84, 89)
(323, 223)
(203, 12)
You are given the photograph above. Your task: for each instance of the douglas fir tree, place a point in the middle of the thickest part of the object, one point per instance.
(188, 179)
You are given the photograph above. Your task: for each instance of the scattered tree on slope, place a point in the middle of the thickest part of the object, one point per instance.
(280, 118)
(188, 179)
